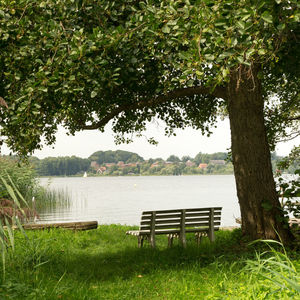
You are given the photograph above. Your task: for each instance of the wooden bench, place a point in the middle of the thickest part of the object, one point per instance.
(176, 223)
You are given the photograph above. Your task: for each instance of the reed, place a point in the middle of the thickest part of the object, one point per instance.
(46, 199)
(10, 216)
(275, 266)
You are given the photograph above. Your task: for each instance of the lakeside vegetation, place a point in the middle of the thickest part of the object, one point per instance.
(106, 264)
(121, 163)
(22, 177)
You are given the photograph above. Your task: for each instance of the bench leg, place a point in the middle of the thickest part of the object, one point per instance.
(211, 235)
(170, 240)
(199, 237)
(152, 241)
(140, 241)
(183, 241)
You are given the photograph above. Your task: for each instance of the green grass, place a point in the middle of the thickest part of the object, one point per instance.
(106, 264)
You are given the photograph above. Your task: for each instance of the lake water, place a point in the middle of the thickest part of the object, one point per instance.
(120, 200)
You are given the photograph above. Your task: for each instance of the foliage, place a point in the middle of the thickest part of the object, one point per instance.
(68, 59)
(133, 164)
(10, 219)
(277, 267)
(173, 158)
(289, 185)
(115, 156)
(290, 162)
(21, 174)
(205, 158)
(61, 166)
(290, 194)
(22, 177)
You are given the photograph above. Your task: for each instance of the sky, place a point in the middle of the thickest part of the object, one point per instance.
(187, 142)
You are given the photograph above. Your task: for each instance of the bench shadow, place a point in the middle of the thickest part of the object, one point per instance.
(132, 261)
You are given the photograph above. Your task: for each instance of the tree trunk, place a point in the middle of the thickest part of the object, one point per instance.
(261, 213)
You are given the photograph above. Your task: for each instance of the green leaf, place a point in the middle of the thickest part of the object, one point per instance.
(261, 52)
(93, 94)
(240, 24)
(281, 26)
(267, 17)
(133, 60)
(166, 29)
(172, 22)
(209, 56)
(226, 54)
(240, 59)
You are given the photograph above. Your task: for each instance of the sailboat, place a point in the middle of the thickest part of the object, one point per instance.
(85, 174)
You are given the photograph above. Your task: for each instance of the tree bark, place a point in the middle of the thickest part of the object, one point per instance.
(261, 213)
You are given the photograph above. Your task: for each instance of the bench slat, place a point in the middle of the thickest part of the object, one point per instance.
(198, 224)
(171, 231)
(148, 217)
(177, 215)
(180, 210)
(217, 213)
(178, 220)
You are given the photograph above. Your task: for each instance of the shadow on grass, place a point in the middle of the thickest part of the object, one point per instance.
(108, 262)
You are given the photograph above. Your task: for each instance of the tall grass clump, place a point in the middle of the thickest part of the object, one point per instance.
(274, 271)
(48, 199)
(22, 174)
(38, 198)
(10, 220)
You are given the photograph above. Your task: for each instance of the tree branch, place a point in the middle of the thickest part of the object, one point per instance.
(218, 92)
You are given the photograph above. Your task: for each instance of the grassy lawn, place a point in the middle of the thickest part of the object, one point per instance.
(106, 264)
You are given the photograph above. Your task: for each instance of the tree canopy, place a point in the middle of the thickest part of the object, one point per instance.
(83, 63)
(115, 156)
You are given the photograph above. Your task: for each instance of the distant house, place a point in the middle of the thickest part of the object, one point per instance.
(168, 163)
(190, 163)
(120, 164)
(155, 164)
(94, 165)
(202, 166)
(108, 165)
(131, 165)
(101, 170)
(97, 167)
(217, 162)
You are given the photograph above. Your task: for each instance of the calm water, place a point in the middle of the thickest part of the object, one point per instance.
(122, 199)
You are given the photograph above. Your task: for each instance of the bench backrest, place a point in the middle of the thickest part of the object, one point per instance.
(164, 221)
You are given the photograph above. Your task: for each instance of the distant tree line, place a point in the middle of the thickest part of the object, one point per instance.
(110, 156)
(120, 163)
(61, 166)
